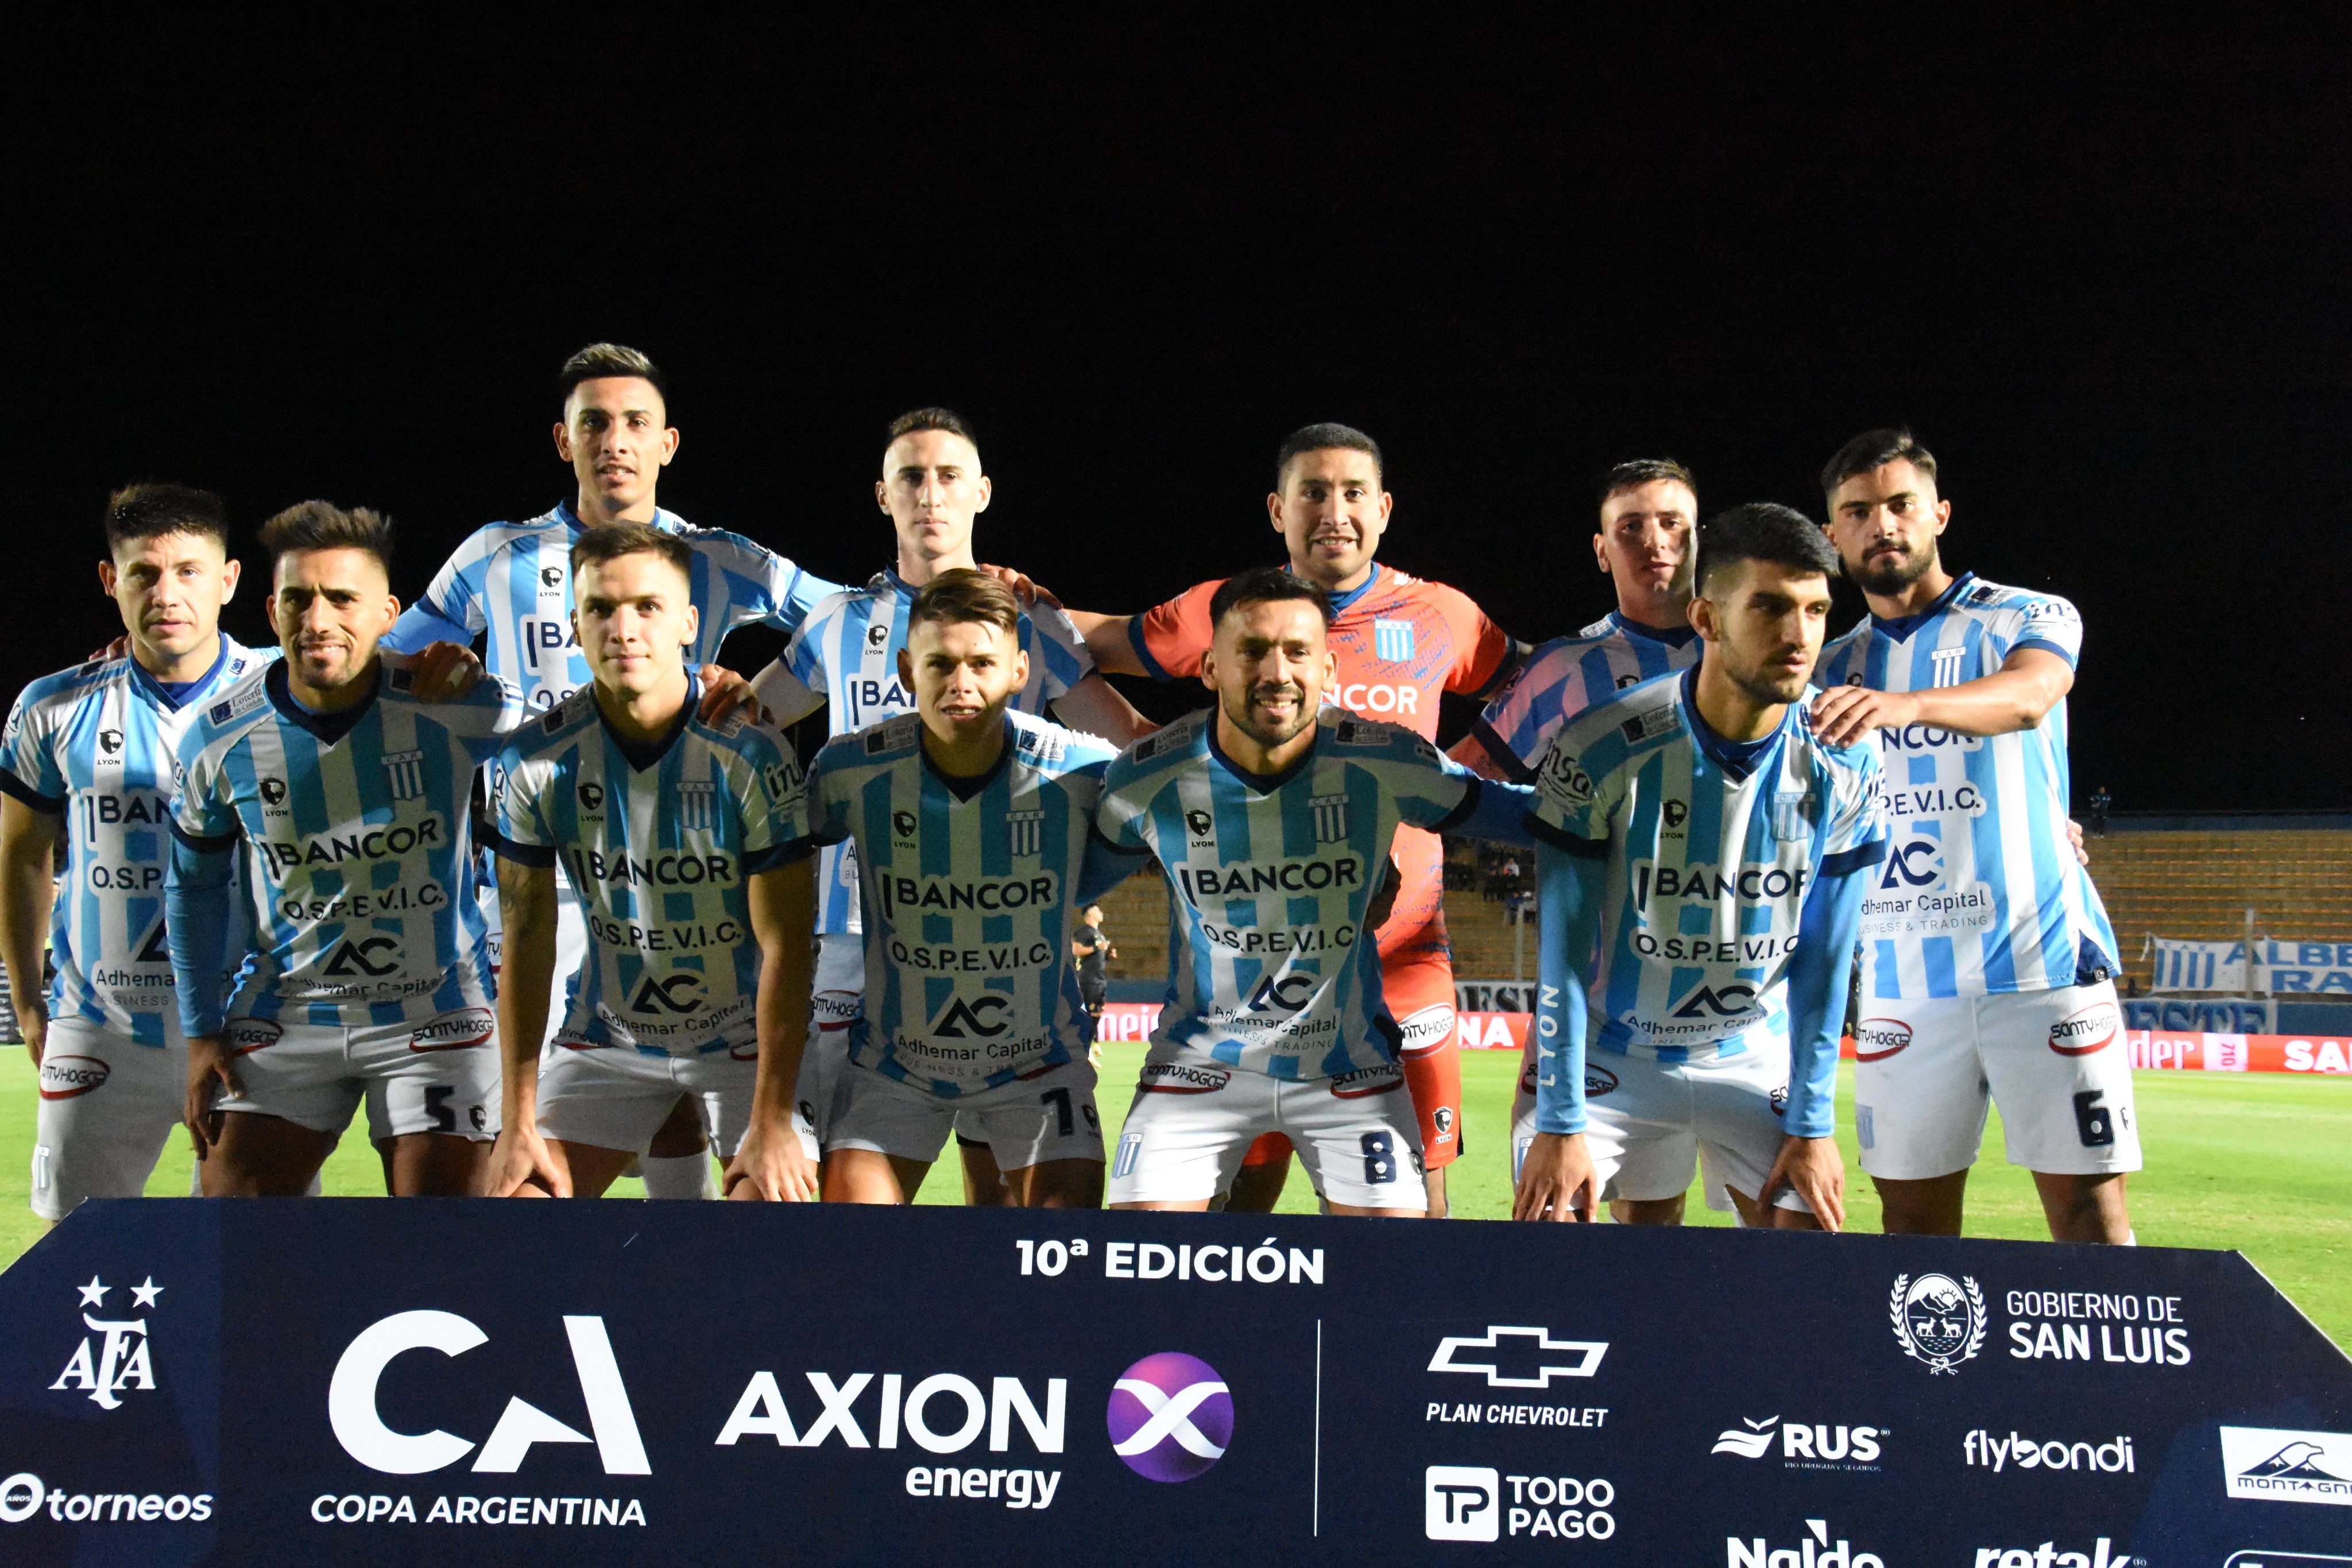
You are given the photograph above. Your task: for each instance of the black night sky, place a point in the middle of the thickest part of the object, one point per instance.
(2100, 264)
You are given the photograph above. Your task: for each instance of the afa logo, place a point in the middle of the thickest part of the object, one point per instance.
(682, 993)
(982, 1017)
(119, 1358)
(1170, 1416)
(1937, 1322)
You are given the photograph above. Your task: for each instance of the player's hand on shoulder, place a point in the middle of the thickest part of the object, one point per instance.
(725, 694)
(769, 1166)
(118, 649)
(1027, 592)
(1557, 1181)
(1844, 715)
(2074, 841)
(444, 672)
(1816, 1171)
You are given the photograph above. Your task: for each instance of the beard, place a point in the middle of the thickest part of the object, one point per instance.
(1889, 575)
(1245, 716)
(1769, 686)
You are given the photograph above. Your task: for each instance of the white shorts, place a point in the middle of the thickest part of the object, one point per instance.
(108, 1106)
(437, 1076)
(1193, 1119)
(617, 1097)
(1048, 1115)
(2054, 1061)
(838, 995)
(1651, 1126)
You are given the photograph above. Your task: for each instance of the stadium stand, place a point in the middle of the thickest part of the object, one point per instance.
(2194, 877)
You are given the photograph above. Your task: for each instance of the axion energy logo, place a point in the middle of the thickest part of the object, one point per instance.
(1170, 1416)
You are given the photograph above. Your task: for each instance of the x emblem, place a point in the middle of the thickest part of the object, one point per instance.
(1171, 1418)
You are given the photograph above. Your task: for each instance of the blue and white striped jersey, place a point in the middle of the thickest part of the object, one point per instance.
(513, 580)
(1570, 674)
(1709, 860)
(973, 888)
(1273, 972)
(1981, 893)
(355, 848)
(660, 847)
(96, 746)
(847, 651)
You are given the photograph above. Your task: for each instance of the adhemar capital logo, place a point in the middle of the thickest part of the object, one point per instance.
(1170, 1416)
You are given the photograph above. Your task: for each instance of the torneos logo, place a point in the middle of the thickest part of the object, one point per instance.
(1170, 1416)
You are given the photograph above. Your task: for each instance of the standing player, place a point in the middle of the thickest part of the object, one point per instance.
(1649, 512)
(368, 976)
(1094, 949)
(1272, 817)
(1718, 849)
(1399, 643)
(87, 765)
(850, 653)
(511, 584)
(696, 982)
(1991, 960)
(974, 851)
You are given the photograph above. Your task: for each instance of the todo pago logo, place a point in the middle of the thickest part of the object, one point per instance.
(1937, 1321)
(115, 1355)
(1170, 1416)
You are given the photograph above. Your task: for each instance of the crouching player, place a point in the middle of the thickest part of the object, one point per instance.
(974, 851)
(367, 977)
(1273, 817)
(1718, 850)
(675, 830)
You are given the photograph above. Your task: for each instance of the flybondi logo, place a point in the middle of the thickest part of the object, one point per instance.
(361, 1429)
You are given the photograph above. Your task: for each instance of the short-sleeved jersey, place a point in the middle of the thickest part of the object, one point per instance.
(354, 850)
(971, 892)
(847, 651)
(660, 857)
(1271, 970)
(1567, 676)
(1710, 862)
(96, 747)
(1398, 641)
(513, 581)
(1981, 893)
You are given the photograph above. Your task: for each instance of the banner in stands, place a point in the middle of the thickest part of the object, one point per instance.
(2203, 1015)
(2238, 1052)
(369, 1381)
(2281, 968)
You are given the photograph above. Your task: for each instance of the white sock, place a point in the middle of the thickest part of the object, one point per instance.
(679, 1176)
(2131, 1238)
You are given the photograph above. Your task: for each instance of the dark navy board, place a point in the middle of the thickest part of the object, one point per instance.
(1720, 1397)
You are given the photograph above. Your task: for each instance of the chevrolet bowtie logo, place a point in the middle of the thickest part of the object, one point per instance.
(1556, 1358)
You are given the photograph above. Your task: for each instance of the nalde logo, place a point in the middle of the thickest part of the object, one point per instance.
(2092, 1029)
(1803, 1447)
(1937, 1322)
(1170, 1416)
(63, 1077)
(1817, 1553)
(1875, 1040)
(119, 1357)
(2287, 1466)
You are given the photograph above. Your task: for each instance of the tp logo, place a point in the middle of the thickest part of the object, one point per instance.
(1461, 1503)
(1170, 1416)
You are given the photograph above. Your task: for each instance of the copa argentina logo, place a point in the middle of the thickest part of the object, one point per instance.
(114, 1357)
(1938, 1322)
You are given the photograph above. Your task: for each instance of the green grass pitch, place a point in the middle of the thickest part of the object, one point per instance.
(2254, 1162)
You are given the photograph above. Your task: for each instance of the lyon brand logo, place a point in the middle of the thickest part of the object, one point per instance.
(121, 1359)
(1170, 1416)
(1936, 1321)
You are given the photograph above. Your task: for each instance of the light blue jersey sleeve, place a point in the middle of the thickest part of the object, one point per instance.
(741, 581)
(450, 609)
(29, 767)
(198, 905)
(1570, 879)
(1853, 840)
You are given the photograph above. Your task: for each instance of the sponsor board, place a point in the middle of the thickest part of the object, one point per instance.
(2268, 1465)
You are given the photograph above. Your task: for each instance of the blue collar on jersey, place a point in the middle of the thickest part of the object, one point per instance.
(1903, 626)
(662, 520)
(1340, 601)
(643, 754)
(328, 727)
(1737, 758)
(1262, 783)
(965, 788)
(1672, 636)
(173, 694)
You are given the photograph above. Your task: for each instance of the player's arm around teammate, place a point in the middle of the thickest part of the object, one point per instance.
(30, 843)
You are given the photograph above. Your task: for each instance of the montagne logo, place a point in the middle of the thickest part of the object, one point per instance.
(2277, 1466)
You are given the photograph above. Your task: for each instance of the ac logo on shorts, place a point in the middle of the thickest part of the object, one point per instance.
(2087, 1029)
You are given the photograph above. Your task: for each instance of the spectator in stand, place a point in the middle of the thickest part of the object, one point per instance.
(2100, 802)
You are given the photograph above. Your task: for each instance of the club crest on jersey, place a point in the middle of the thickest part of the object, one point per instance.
(1330, 818)
(696, 803)
(1391, 640)
(1023, 832)
(404, 773)
(115, 1356)
(1792, 815)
